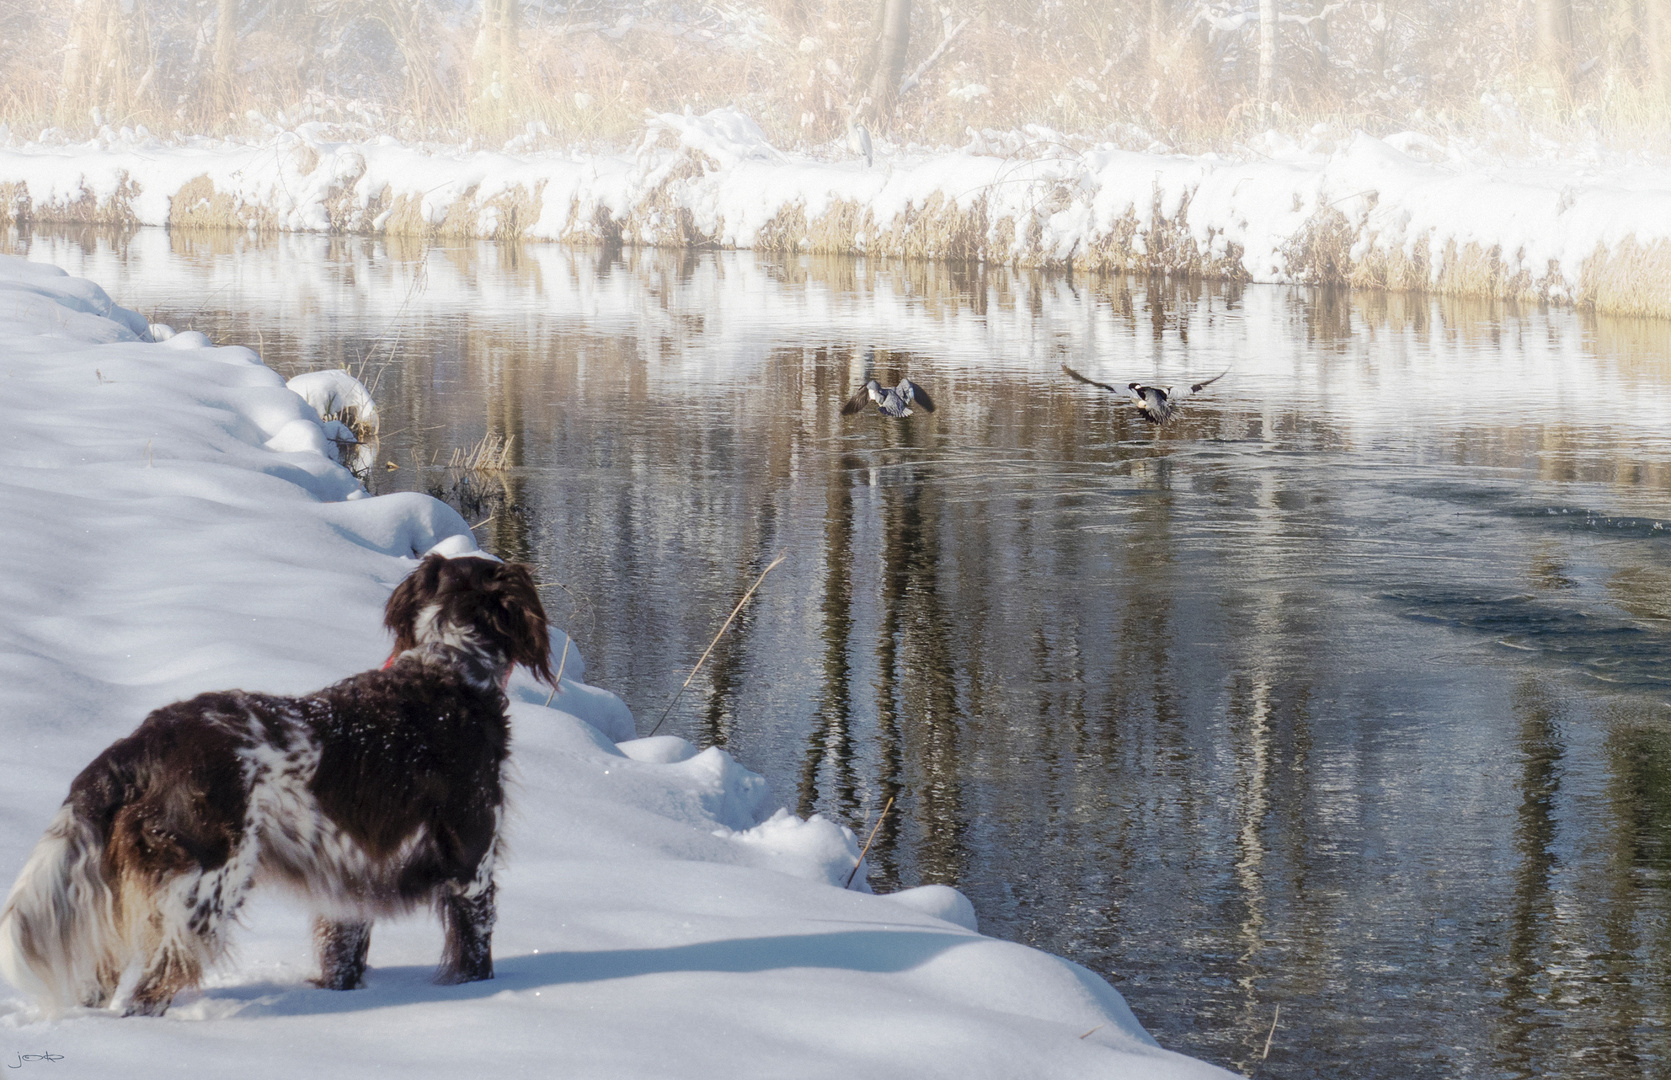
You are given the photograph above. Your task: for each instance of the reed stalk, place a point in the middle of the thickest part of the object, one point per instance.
(868, 841)
(711, 644)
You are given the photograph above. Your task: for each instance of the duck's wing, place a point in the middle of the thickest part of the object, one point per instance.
(1196, 388)
(916, 395)
(857, 401)
(1074, 374)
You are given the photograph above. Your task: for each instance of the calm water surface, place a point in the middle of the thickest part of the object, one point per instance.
(1348, 692)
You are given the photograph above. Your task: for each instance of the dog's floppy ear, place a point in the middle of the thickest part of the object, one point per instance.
(527, 639)
(409, 598)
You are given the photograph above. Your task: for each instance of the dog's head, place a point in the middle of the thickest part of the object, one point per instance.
(452, 600)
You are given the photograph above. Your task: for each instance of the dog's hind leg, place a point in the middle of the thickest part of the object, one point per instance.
(183, 879)
(342, 948)
(169, 970)
(467, 913)
(183, 933)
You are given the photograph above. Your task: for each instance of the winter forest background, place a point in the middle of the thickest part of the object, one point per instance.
(1162, 74)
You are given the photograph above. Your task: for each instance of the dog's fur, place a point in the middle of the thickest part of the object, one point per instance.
(370, 797)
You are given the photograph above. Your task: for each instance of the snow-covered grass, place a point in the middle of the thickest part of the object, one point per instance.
(1401, 213)
(174, 521)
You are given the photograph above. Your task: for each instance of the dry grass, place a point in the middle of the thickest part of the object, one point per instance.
(586, 72)
(84, 209)
(14, 204)
(488, 457)
(1630, 280)
(365, 429)
(197, 205)
(938, 229)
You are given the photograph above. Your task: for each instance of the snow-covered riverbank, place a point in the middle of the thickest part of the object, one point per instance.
(173, 523)
(1400, 213)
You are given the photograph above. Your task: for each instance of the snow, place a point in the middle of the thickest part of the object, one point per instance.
(715, 179)
(169, 528)
(332, 391)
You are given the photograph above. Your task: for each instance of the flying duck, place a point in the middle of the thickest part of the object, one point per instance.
(1156, 403)
(890, 400)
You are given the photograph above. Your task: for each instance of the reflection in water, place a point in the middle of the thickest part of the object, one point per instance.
(1346, 691)
(1528, 982)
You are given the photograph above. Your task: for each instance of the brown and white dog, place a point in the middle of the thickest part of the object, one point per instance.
(370, 798)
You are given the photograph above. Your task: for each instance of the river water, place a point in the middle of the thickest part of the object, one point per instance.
(1348, 692)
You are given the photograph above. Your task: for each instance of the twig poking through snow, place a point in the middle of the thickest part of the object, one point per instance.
(714, 642)
(558, 681)
(848, 884)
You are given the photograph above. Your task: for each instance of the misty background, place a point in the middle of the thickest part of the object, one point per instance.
(1186, 75)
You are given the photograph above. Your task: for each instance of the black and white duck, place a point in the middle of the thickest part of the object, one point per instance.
(1158, 404)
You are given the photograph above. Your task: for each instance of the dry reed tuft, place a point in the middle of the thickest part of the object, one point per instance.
(938, 229)
(1631, 279)
(1321, 252)
(786, 233)
(198, 205)
(365, 429)
(85, 208)
(502, 217)
(488, 457)
(833, 231)
(1393, 269)
(14, 204)
(402, 217)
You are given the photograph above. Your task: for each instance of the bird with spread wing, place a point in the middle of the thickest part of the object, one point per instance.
(1158, 404)
(890, 400)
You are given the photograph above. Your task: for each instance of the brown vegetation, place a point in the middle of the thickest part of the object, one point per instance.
(1189, 75)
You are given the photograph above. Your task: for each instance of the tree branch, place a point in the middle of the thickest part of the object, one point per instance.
(913, 80)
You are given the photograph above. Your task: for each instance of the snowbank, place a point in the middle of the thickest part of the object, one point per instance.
(1400, 213)
(170, 528)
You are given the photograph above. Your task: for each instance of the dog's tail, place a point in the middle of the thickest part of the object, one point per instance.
(60, 942)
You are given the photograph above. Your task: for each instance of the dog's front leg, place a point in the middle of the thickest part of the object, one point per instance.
(342, 948)
(467, 913)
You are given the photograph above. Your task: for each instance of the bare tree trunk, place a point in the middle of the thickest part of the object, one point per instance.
(1381, 27)
(1156, 34)
(1555, 42)
(492, 66)
(84, 55)
(1318, 28)
(496, 43)
(889, 61)
(1656, 40)
(1267, 54)
(224, 70)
